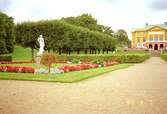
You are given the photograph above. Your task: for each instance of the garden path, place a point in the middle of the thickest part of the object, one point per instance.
(140, 89)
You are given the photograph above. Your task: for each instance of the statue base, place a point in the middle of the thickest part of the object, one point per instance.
(38, 60)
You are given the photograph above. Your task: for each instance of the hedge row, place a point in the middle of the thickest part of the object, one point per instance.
(122, 58)
(164, 56)
(5, 57)
(63, 37)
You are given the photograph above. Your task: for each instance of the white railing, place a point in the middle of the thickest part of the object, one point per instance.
(155, 41)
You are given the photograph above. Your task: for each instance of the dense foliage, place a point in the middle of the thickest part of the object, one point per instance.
(88, 21)
(6, 34)
(63, 37)
(122, 38)
(84, 20)
(122, 58)
(5, 57)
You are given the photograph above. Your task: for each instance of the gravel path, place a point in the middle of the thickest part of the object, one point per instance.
(140, 89)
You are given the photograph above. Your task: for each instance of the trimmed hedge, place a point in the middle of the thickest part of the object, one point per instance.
(5, 57)
(164, 56)
(63, 37)
(122, 58)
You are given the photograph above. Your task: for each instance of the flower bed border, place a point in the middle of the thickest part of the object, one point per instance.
(17, 69)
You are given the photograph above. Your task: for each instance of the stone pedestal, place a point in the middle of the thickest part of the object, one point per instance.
(38, 60)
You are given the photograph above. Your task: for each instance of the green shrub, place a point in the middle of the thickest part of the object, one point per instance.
(164, 56)
(122, 58)
(98, 61)
(5, 57)
(75, 61)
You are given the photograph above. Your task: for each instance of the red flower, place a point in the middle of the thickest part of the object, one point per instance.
(17, 69)
(10, 69)
(28, 70)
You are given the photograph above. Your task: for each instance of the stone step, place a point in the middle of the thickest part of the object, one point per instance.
(155, 53)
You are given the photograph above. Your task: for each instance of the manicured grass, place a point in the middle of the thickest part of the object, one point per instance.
(64, 78)
(21, 53)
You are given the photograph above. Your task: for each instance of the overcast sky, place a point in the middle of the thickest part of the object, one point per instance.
(119, 14)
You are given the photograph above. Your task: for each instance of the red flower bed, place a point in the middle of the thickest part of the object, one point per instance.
(17, 69)
(85, 66)
(78, 67)
(110, 63)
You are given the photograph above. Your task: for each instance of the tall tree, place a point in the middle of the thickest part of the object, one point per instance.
(122, 37)
(84, 20)
(107, 30)
(6, 34)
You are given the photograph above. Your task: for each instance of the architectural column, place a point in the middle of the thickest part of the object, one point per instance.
(153, 46)
(158, 46)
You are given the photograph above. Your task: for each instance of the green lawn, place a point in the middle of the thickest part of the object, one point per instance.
(164, 56)
(65, 77)
(21, 53)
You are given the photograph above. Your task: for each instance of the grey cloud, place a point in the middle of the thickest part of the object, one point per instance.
(4, 4)
(159, 5)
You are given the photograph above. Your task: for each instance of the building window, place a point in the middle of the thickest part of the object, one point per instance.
(151, 38)
(155, 37)
(138, 40)
(161, 37)
(144, 39)
(139, 45)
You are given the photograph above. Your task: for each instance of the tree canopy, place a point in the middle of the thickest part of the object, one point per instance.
(6, 34)
(84, 20)
(63, 37)
(122, 37)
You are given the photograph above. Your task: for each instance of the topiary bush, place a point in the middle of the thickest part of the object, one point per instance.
(47, 60)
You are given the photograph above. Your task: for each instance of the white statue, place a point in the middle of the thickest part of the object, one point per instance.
(41, 44)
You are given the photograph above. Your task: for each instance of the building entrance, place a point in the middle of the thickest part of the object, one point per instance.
(156, 47)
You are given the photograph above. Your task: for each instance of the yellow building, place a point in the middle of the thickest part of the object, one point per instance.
(150, 37)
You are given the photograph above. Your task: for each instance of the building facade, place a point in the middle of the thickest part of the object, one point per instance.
(152, 37)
